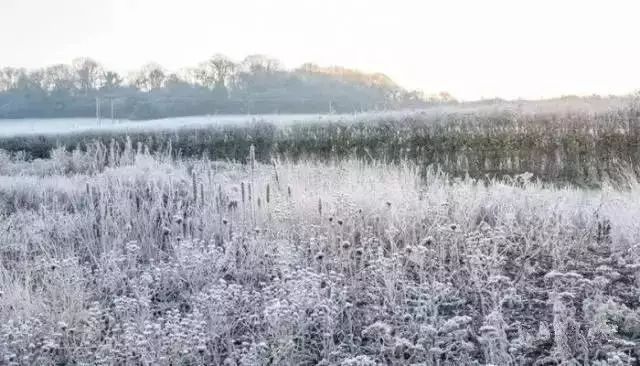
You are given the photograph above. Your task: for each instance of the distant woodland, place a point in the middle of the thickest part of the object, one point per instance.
(219, 85)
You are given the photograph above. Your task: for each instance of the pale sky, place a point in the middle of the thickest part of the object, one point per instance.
(473, 49)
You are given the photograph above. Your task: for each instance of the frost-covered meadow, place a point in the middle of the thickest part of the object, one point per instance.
(121, 256)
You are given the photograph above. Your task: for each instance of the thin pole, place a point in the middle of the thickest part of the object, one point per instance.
(98, 110)
(112, 114)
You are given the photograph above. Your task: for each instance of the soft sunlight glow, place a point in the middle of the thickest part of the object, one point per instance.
(473, 49)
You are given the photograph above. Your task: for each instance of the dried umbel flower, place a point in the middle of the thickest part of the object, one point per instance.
(339, 222)
(346, 245)
(132, 247)
(62, 325)
(319, 256)
(543, 331)
(224, 221)
(428, 241)
(488, 330)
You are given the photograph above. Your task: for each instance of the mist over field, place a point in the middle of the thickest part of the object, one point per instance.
(319, 183)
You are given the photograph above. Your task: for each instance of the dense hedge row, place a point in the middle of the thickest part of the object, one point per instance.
(577, 148)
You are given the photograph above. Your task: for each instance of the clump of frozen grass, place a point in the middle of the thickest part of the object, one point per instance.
(132, 258)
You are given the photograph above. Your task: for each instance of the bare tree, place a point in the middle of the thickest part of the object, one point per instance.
(4, 84)
(203, 76)
(215, 73)
(150, 77)
(36, 79)
(112, 80)
(12, 78)
(191, 75)
(222, 68)
(88, 73)
(174, 82)
(261, 63)
(156, 78)
(58, 79)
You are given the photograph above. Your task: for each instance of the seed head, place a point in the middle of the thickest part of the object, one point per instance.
(166, 231)
(268, 194)
(428, 241)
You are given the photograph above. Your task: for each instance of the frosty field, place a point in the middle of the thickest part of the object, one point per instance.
(77, 125)
(116, 255)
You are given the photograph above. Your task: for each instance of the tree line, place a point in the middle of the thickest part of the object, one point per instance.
(219, 85)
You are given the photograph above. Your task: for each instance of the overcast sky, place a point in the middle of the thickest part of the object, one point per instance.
(472, 48)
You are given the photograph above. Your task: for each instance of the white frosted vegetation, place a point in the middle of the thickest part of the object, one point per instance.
(143, 259)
